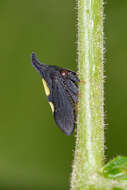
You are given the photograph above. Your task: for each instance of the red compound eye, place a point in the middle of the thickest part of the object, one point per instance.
(64, 73)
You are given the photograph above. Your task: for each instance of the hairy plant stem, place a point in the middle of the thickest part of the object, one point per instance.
(89, 150)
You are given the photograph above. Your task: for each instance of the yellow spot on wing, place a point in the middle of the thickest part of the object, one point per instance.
(52, 106)
(46, 88)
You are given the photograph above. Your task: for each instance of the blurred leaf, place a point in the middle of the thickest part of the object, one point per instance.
(116, 168)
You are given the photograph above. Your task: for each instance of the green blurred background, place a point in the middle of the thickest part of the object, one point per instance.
(34, 153)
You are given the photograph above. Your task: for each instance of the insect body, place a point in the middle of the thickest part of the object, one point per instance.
(61, 91)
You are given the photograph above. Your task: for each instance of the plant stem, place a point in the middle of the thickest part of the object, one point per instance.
(89, 151)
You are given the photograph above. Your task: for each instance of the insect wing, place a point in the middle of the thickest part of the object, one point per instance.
(71, 86)
(64, 108)
(72, 90)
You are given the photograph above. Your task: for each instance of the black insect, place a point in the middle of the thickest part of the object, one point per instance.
(61, 91)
